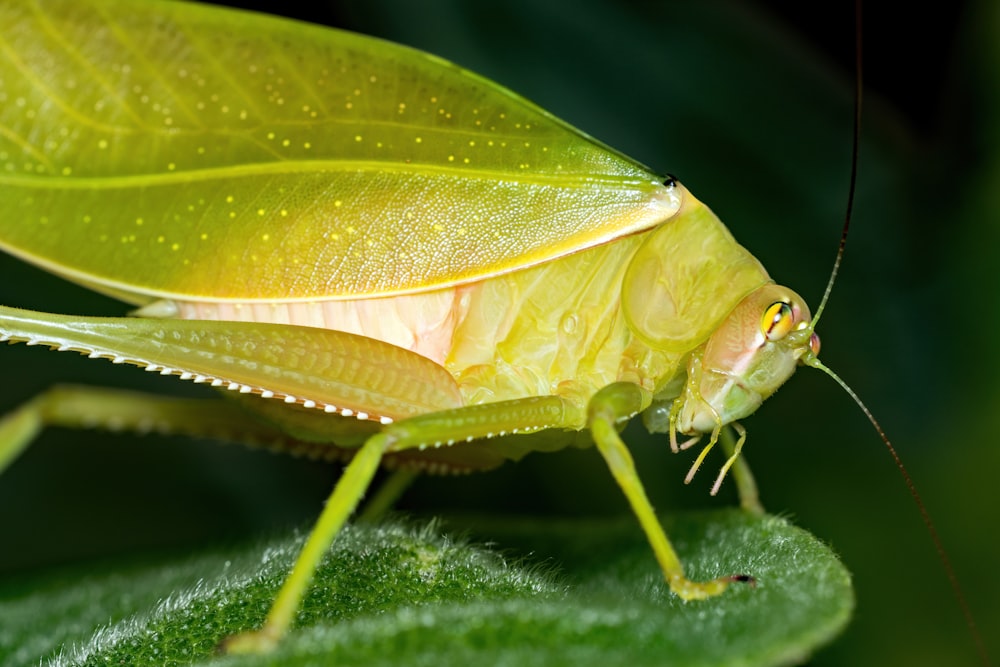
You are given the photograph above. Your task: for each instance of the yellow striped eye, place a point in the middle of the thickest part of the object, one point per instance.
(777, 321)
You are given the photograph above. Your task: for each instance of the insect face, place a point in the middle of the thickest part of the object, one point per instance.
(746, 359)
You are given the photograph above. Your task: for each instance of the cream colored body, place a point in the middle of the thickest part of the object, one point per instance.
(556, 328)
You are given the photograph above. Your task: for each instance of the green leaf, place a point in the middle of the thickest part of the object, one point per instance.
(393, 594)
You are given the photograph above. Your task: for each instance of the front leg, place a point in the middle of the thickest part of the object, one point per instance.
(609, 407)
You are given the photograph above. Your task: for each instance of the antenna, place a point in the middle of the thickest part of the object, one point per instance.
(855, 150)
(810, 358)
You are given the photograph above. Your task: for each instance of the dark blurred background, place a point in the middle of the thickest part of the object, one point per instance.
(749, 104)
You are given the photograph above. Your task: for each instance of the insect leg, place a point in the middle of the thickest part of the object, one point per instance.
(387, 495)
(438, 428)
(118, 410)
(333, 370)
(82, 407)
(607, 408)
(345, 497)
(17, 430)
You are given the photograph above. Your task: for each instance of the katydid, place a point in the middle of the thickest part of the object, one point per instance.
(375, 251)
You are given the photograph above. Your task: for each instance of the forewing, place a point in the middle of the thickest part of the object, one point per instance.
(171, 149)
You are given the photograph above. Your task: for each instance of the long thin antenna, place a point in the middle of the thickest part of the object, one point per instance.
(810, 359)
(956, 588)
(855, 150)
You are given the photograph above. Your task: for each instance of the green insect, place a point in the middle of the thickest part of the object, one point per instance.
(372, 250)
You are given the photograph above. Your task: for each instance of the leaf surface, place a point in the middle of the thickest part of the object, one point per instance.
(391, 594)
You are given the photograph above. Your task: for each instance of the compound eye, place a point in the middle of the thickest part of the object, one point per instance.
(777, 321)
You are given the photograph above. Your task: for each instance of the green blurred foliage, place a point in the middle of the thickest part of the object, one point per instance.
(752, 112)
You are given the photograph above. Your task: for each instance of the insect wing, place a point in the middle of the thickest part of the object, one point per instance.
(292, 163)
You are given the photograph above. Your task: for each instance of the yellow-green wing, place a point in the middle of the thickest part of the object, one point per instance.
(171, 149)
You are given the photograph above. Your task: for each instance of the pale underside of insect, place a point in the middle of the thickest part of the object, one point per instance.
(380, 256)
